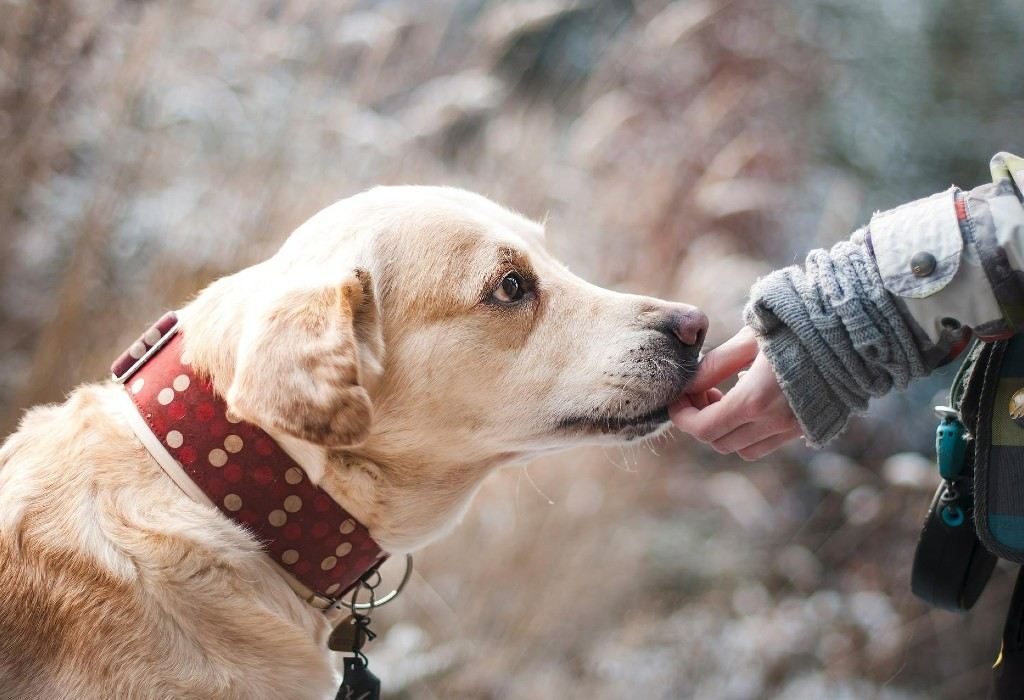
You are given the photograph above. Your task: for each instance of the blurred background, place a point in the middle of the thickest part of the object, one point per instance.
(676, 148)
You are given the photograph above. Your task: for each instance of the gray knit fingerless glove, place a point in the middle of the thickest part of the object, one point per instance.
(834, 336)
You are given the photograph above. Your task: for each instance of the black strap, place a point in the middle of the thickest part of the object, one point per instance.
(951, 567)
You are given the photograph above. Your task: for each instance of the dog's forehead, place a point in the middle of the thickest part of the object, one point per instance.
(463, 216)
(446, 227)
(407, 215)
(435, 240)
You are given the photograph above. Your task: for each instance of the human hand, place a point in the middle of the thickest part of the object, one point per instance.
(753, 419)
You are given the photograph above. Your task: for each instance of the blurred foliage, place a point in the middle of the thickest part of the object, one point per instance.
(921, 94)
(676, 148)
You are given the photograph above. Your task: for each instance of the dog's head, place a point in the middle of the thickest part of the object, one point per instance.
(416, 337)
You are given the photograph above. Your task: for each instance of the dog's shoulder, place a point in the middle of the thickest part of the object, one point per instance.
(59, 598)
(116, 584)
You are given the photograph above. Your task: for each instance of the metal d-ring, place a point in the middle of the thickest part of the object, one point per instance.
(384, 600)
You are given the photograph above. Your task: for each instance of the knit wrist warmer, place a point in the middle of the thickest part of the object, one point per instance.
(834, 336)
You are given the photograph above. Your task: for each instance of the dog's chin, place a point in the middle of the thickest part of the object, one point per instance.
(648, 417)
(618, 427)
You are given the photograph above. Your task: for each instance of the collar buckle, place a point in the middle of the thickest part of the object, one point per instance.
(148, 344)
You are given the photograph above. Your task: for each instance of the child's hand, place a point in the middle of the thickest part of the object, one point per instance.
(753, 419)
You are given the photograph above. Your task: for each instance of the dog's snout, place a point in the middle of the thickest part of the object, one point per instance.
(686, 323)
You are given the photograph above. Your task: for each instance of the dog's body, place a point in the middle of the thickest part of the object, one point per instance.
(401, 345)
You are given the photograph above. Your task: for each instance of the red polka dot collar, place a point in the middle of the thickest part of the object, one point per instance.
(238, 468)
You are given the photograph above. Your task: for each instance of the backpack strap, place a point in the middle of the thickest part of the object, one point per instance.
(998, 381)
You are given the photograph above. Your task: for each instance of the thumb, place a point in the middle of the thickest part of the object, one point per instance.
(724, 361)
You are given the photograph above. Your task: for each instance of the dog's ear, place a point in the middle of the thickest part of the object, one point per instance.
(298, 365)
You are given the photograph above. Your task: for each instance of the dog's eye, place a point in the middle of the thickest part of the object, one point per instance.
(511, 289)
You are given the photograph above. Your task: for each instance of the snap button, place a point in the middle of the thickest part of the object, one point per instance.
(923, 264)
(1017, 407)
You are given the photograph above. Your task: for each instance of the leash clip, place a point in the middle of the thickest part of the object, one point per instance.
(375, 602)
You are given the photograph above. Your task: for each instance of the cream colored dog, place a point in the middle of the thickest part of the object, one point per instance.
(401, 345)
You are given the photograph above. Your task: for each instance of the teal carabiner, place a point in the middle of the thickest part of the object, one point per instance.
(950, 443)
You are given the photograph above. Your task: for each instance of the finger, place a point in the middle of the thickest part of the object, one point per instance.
(766, 447)
(749, 434)
(710, 424)
(724, 361)
(705, 399)
(686, 401)
(700, 401)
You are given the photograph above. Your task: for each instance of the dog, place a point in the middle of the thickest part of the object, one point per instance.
(400, 346)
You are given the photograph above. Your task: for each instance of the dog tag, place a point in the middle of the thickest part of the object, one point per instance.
(358, 683)
(348, 636)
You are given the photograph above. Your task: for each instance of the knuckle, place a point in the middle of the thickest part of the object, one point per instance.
(751, 410)
(763, 400)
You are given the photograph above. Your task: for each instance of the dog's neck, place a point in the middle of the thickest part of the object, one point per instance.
(410, 501)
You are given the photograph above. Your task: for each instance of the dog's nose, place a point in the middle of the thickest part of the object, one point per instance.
(685, 322)
(689, 324)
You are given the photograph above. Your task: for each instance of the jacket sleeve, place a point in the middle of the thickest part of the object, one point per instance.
(897, 300)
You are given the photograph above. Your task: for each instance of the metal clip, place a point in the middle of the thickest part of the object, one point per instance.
(383, 600)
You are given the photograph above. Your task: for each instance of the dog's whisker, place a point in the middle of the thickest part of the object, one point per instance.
(519, 480)
(608, 456)
(536, 488)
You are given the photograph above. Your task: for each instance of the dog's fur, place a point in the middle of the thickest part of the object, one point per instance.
(372, 348)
